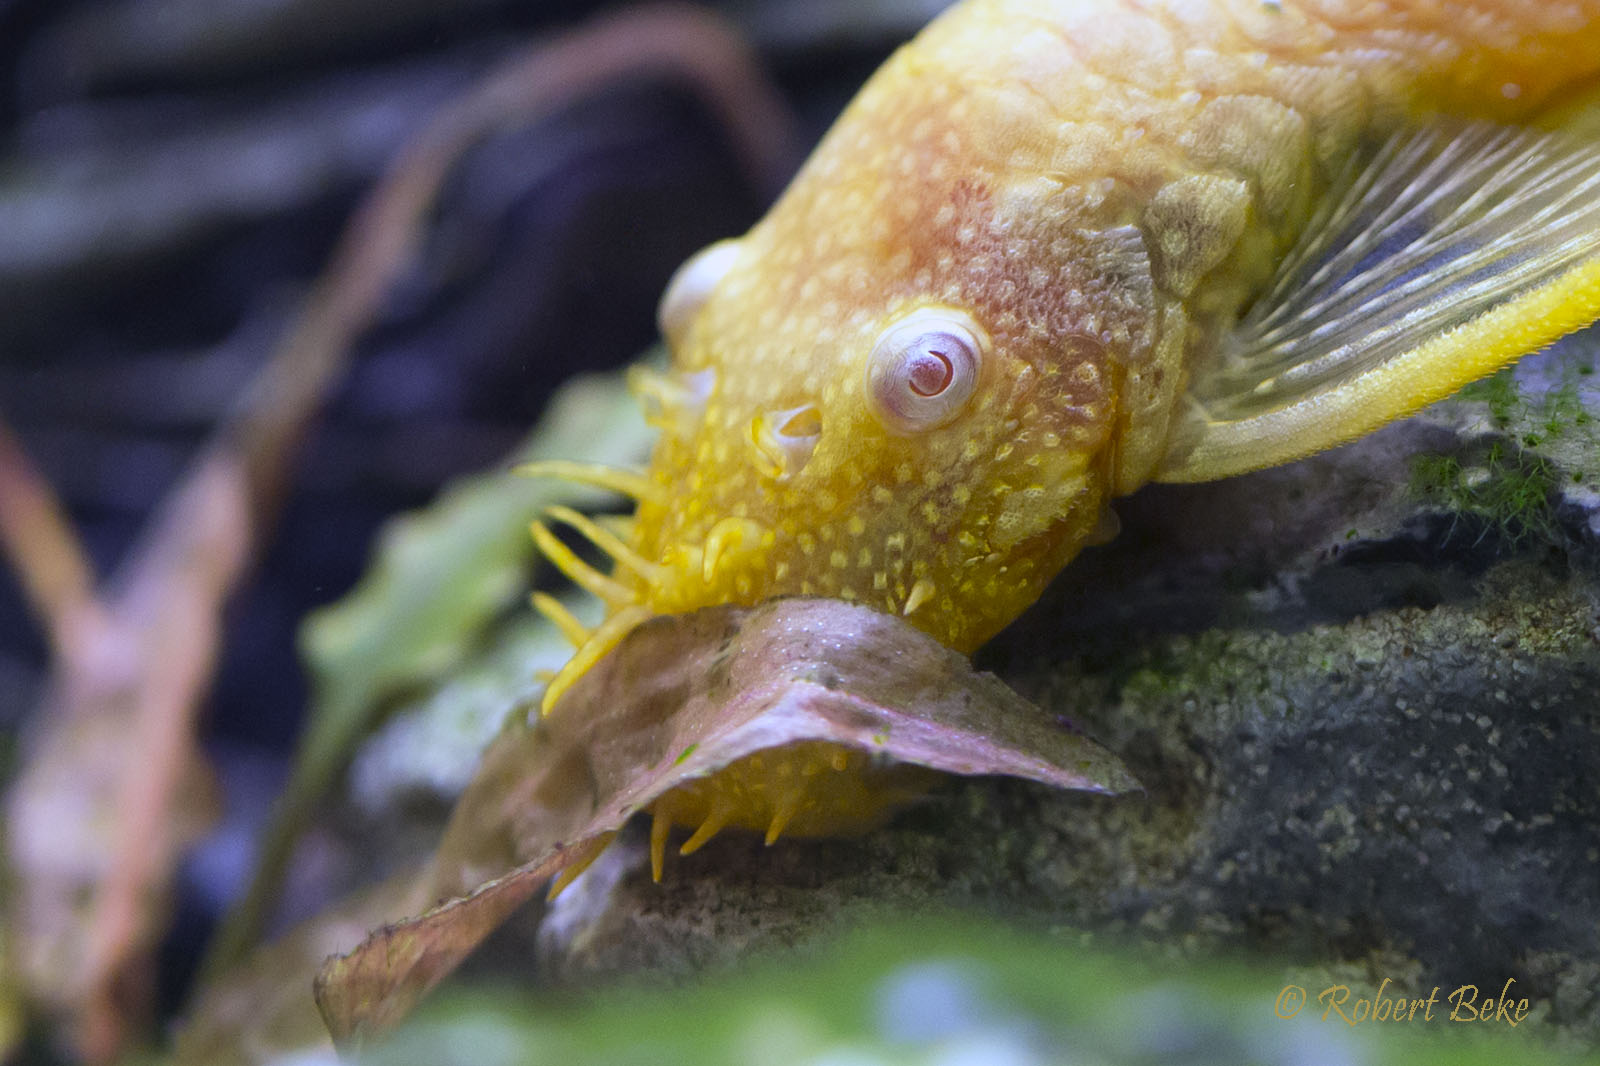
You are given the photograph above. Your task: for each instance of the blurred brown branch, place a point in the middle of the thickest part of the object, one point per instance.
(44, 552)
(106, 801)
(679, 42)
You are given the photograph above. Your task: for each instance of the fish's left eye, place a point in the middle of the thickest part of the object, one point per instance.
(691, 285)
(923, 369)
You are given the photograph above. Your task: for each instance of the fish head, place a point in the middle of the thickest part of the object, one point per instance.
(912, 385)
(916, 424)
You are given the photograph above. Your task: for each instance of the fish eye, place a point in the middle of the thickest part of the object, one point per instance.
(690, 285)
(923, 369)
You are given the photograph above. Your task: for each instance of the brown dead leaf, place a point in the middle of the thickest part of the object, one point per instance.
(372, 989)
(680, 699)
(261, 1010)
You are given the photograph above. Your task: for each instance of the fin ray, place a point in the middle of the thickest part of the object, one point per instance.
(606, 541)
(613, 592)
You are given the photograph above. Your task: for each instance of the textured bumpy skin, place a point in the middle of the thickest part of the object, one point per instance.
(1095, 191)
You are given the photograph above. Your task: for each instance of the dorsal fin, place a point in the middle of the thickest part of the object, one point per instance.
(1449, 253)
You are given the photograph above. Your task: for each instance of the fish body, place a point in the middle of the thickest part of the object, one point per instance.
(1056, 249)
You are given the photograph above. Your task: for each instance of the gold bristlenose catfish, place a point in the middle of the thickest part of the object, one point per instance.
(1056, 249)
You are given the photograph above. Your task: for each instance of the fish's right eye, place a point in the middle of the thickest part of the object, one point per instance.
(923, 369)
(690, 285)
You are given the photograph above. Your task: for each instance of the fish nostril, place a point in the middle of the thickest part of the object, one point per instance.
(782, 441)
(802, 422)
(672, 401)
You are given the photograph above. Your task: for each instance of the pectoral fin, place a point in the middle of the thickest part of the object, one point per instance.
(1452, 252)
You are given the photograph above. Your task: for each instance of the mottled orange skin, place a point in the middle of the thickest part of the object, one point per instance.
(1102, 187)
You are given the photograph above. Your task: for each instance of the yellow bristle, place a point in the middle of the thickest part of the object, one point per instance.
(570, 874)
(921, 593)
(556, 611)
(715, 820)
(605, 637)
(628, 482)
(621, 525)
(586, 577)
(606, 541)
(783, 812)
(660, 827)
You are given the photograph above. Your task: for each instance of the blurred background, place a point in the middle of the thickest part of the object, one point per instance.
(175, 173)
(175, 176)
